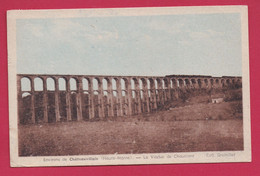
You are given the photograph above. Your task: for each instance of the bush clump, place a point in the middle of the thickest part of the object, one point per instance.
(233, 95)
(237, 109)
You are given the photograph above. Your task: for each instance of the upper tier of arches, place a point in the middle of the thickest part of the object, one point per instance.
(118, 83)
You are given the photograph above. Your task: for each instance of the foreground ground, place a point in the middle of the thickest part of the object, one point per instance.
(197, 127)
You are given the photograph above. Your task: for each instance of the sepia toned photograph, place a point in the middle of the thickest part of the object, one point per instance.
(129, 86)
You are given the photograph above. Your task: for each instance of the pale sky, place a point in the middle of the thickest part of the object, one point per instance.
(199, 44)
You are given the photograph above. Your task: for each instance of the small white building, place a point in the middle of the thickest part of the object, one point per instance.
(217, 100)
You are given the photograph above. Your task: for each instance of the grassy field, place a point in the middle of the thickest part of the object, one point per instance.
(197, 127)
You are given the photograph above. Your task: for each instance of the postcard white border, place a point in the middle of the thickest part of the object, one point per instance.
(126, 159)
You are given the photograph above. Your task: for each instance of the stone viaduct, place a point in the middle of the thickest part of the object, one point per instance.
(101, 96)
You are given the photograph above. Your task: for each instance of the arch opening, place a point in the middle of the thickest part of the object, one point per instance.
(206, 82)
(39, 100)
(25, 113)
(38, 84)
(105, 84)
(141, 84)
(25, 84)
(187, 82)
(62, 84)
(85, 84)
(73, 84)
(199, 83)
(123, 84)
(51, 99)
(181, 83)
(114, 84)
(50, 84)
(156, 83)
(95, 84)
(73, 98)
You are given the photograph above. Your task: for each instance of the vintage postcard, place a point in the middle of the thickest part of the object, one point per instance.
(129, 86)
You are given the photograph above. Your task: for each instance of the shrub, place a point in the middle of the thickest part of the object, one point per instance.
(233, 95)
(237, 109)
(184, 95)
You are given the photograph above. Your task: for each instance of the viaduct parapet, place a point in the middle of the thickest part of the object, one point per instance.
(60, 97)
